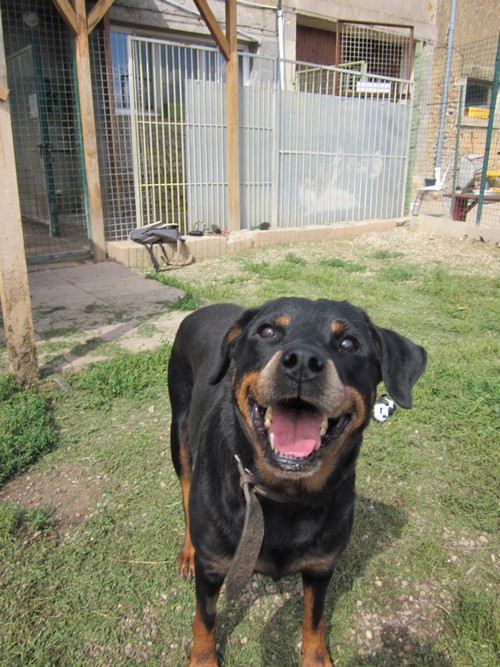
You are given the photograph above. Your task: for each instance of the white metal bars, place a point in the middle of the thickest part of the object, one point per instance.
(332, 146)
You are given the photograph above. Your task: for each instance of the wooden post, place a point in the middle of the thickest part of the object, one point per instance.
(88, 132)
(233, 153)
(76, 20)
(228, 45)
(14, 287)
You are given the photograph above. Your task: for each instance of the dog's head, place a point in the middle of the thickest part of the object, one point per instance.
(304, 376)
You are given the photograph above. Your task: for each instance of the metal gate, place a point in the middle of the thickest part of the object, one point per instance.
(330, 145)
(160, 74)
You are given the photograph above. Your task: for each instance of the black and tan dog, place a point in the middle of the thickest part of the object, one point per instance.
(273, 401)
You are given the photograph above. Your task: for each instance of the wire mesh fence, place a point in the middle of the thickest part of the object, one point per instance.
(463, 181)
(318, 144)
(46, 130)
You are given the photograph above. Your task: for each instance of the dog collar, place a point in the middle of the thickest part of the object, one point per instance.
(247, 477)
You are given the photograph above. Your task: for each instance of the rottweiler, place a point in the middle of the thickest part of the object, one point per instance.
(269, 406)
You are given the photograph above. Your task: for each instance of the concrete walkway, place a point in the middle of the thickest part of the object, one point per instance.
(84, 313)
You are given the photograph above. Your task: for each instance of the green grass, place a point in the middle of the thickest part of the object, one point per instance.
(339, 263)
(415, 586)
(126, 375)
(188, 301)
(26, 427)
(476, 622)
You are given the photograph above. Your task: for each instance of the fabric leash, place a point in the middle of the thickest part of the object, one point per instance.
(252, 536)
(248, 549)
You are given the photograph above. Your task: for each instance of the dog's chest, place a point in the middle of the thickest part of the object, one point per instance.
(291, 540)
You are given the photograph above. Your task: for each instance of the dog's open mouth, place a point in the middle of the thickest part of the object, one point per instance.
(294, 432)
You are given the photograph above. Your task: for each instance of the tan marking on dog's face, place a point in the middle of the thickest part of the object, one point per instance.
(246, 387)
(282, 321)
(334, 453)
(327, 394)
(233, 334)
(314, 479)
(337, 327)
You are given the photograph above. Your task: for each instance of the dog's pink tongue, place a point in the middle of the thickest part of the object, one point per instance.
(296, 432)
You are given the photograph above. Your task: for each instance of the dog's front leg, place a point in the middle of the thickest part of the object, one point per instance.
(314, 649)
(204, 652)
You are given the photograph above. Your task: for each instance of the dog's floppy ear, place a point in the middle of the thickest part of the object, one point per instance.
(229, 342)
(402, 363)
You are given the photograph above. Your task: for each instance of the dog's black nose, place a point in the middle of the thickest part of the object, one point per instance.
(302, 362)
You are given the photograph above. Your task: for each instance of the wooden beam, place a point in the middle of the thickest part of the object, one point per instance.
(76, 19)
(67, 13)
(89, 133)
(214, 27)
(97, 13)
(14, 287)
(233, 151)
(228, 45)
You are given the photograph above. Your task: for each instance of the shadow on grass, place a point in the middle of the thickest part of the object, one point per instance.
(376, 525)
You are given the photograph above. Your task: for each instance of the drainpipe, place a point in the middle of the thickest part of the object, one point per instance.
(447, 75)
(281, 42)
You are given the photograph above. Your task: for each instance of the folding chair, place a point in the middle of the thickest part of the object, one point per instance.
(159, 233)
(437, 187)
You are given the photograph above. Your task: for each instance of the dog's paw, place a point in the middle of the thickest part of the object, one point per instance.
(185, 563)
(317, 660)
(203, 661)
(315, 654)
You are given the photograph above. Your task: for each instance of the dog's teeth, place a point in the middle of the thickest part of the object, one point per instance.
(324, 427)
(271, 440)
(268, 417)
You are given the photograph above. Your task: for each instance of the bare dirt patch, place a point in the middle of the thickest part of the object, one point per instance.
(71, 491)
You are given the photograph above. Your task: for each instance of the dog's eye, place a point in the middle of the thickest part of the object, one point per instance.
(267, 331)
(348, 345)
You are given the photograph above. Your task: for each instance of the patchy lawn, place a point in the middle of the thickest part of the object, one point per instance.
(90, 533)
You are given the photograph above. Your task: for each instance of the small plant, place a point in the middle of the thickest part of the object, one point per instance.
(187, 302)
(10, 520)
(169, 280)
(39, 518)
(338, 263)
(385, 254)
(292, 258)
(398, 273)
(476, 622)
(257, 268)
